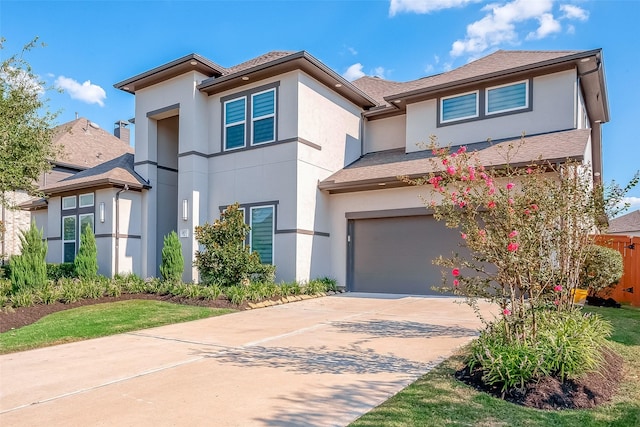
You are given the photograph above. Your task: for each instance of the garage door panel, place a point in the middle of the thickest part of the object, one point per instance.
(394, 255)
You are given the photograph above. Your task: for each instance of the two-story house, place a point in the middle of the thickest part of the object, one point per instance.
(313, 159)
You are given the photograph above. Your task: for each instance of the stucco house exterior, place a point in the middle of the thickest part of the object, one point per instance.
(91, 182)
(313, 159)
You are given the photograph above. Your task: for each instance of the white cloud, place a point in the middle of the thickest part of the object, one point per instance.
(85, 92)
(498, 26)
(424, 6)
(429, 69)
(571, 29)
(634, 203)
(574, 12)
(548, 26)
(353, 72)
(19, 79)
(379, 72)
(352, 51)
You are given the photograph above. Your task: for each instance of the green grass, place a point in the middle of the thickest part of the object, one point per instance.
(100, 320)
(437, 399)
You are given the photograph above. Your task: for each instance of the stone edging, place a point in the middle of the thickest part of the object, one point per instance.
(288, 299)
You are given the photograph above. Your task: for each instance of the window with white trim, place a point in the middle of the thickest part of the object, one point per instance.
(85, 220)
(235, 123)
(69, 202)
(509, 97)
(262, 232)
(68, 238)
(459, 107)
(263, 117)
(86, 200)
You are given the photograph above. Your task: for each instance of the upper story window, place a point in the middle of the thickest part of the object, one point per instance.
(509, 97)
(459, 107)
(249, 118)
(69, 202)
(86, 200)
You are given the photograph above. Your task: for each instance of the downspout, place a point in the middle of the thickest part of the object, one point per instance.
(117, 263)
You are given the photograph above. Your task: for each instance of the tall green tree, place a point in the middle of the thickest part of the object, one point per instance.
(26, 147)
(172, 264)
(29, 269)
(86, 262)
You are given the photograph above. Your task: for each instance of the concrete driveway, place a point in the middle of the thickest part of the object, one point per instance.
(319, 362)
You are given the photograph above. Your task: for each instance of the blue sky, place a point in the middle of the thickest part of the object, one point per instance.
(93, 44)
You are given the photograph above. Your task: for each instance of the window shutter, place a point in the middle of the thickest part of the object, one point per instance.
(263, 104)
(459, 107)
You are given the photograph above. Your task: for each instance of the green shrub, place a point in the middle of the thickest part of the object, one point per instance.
(22, 298)
(70, 290)
(5, 271)
(5, 287)
(568, 344)
(211, 292)
(113, 289)
(225, 258)
(314, 287)
(92, 289)
(29, 269)
(237, 294)
(130, 283)
(290, 288)
(329, 283)
(172, 264)
(86, 262)
(602, 268)
(58, 271)
(48, 293)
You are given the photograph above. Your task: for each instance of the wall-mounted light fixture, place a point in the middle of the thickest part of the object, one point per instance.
(101, 211)
(185, 209)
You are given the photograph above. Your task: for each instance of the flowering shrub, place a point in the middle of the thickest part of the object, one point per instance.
(527, 229)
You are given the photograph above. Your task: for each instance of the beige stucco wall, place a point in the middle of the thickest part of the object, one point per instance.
(554, 108)
(385, 134)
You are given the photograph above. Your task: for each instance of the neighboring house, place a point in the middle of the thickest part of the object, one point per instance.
(628, 224)
(313, 159)
(92, 182)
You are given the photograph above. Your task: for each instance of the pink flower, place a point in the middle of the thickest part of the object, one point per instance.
(483, 175)
(556, 302)
(529, 171)
(511, 201)
(472, 173)
(506, 312)
(510, 185)
(463, 235)
(557, 288)
(527, 212)
(462, 149)
(513, 234)
(491, 191)
(534, 207)
(445, 162)
(453, 155)
(512, 247)
(456, 282)
(451, 170)
(455, 272)
(462, 204)
(491, 204)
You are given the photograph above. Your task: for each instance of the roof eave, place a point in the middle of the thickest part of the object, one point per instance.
(102, 182)
(529, 67)
(298, 60)
(191, 62)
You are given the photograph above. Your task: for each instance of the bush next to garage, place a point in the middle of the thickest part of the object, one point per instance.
(172, 264)
(29, 269)
(528, 229)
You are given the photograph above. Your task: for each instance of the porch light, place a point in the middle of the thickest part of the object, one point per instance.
(101, 211)
(185, 209)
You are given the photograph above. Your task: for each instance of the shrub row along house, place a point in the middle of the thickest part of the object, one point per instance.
(314, 159)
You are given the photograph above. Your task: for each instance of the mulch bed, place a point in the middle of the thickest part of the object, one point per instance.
(550, 393)
(18, 317)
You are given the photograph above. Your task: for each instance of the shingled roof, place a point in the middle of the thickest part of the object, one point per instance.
(115, 172)
(625, 223)
(258, 60)
(382, 168)
(84, 146)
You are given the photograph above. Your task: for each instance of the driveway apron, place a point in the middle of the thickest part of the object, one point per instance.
(318, 362)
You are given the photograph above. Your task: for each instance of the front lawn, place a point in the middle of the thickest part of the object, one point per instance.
(438, 399)
(100, 320)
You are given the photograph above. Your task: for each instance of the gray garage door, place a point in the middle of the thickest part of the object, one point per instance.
(393, 255)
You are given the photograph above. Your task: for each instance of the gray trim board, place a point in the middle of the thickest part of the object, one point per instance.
(249, 92)
(145, 162)
(150, 114)
(166, 168)
(302, 231)
(120, 235)
(54, 239)
(389, 213)
(194, 153)
(252, 147)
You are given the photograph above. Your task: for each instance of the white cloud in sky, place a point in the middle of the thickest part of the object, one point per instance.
(354, 72)
(352, 51)
(379, 72)
(18, 78)
(548, 25)
(425, 6)
(574, 12)
(634, 203)
(85, 92)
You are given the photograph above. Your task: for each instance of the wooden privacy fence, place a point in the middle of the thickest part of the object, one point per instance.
(628, 289)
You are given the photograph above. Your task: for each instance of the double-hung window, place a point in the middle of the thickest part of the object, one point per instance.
(459, 107)
(235, 119)
(250, 119)
(263, 117)
(505, 98)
